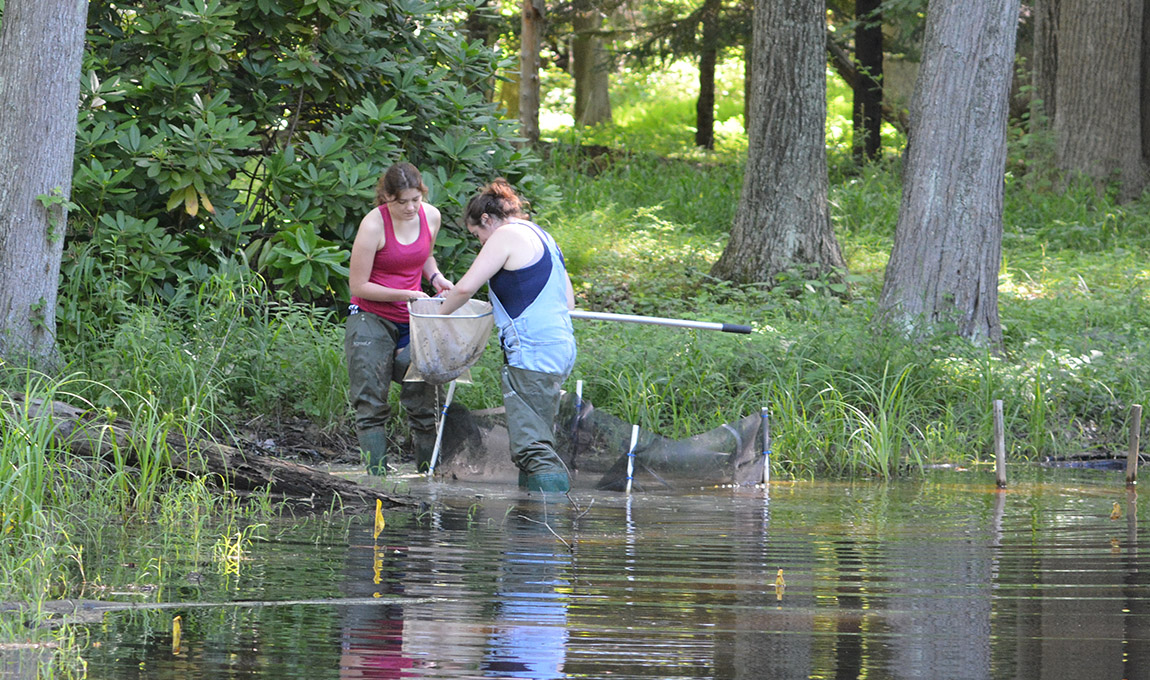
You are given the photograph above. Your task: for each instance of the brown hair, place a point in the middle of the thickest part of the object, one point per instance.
(398, 177)
(497, 199)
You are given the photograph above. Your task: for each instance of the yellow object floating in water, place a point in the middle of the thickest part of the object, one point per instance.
(1116, 512)
(779, 582)
(176, 635)
(378, 518)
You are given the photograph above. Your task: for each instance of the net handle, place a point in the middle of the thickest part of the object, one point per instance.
(661, 321)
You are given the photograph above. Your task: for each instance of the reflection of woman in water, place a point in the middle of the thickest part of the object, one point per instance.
(530, 628)
(499, 612)
(372, 637)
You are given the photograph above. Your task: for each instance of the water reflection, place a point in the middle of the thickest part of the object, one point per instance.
(939, 578)
(529, 635)
(506, 618)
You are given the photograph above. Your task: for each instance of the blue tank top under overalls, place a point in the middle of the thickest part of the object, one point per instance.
(530, 308)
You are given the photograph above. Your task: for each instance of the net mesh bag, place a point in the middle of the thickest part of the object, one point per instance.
(445, 346)
(594, 446)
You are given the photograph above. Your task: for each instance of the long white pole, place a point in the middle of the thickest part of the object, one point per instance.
(660, 321)
(439, 430)
(766, 445)
(631, 456)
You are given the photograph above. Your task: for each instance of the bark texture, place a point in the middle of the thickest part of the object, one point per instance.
(943, 271)
(782, 221)
(40, 51)
(590, 67)
(530, 41)
(1098, 120)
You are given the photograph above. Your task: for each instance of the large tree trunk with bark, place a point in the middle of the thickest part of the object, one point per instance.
(943, 270)
(590, 68)
(708, 58)
(40, 52)
(868, 91)
(530, 41)
(1098, 121)
(783, 221)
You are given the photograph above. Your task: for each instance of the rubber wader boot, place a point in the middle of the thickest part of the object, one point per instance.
(374, 446)
(424, 444)
(549, 481)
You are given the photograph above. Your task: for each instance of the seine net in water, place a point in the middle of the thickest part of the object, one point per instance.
(594, 446)
(443, 347)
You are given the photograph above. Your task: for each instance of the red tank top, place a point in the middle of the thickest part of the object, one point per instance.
(397, 266)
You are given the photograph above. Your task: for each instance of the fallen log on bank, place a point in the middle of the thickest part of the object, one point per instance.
(86, 433)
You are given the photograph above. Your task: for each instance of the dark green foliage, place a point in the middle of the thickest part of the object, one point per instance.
(256, 130)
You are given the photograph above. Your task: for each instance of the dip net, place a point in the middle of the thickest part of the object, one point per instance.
(444, 347)
(595, 446)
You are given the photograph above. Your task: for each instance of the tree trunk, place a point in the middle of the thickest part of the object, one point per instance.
(590, 67)
(782, 221)
(708, 57)
(530, 40)
(842, 63)
(1044, 64)
(1098, 122)
(943, 270)
(868, 91)
(40, 53)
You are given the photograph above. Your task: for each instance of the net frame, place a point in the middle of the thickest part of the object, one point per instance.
(445, 346)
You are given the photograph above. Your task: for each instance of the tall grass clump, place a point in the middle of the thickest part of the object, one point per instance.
(36, 552)
(68, 482)
(224, 352)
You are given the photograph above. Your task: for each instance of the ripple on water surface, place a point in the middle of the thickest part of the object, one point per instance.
(937, 578)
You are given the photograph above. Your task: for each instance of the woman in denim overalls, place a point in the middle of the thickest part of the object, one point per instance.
(532, 296)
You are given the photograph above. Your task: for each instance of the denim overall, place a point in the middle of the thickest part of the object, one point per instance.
(539, 348)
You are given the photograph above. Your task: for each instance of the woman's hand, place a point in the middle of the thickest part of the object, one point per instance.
(442, 286)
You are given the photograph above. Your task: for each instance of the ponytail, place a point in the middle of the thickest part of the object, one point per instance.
(497, 199)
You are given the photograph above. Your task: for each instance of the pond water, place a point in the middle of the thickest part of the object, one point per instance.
(942, 577)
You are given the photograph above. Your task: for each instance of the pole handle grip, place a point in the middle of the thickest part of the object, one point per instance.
(736, 328)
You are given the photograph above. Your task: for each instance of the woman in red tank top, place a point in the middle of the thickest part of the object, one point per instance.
(391, 256)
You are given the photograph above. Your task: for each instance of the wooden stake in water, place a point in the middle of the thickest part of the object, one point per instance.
(1135, 437)
(999, 446)
(766, 445)
(631, 456)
